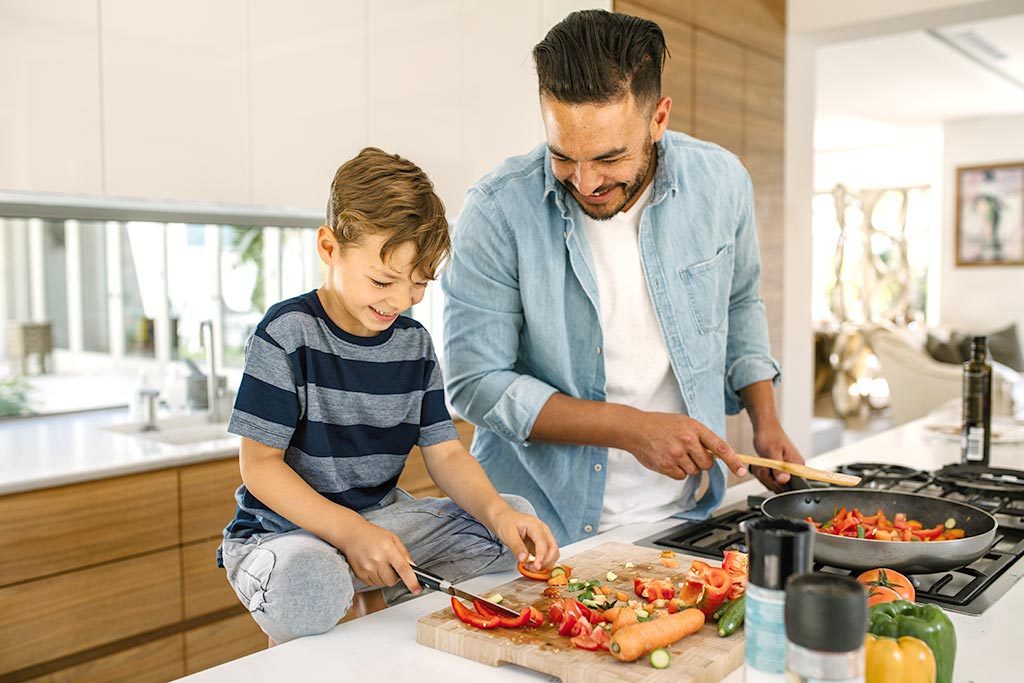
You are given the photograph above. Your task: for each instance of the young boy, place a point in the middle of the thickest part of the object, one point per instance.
(338, 388)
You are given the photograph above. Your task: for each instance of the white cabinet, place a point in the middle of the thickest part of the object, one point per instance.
(175, 93)
(50, 97)
(308, 99)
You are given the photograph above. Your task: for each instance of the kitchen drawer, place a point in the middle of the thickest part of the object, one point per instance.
(206, 587)
(155, 662)
(60, 615)
(59, 529)
(208, 498)
(222, 641)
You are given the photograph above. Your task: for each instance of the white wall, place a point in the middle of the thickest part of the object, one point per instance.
(978, 298)
(257, 101)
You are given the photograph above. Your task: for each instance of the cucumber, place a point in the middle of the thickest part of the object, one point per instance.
(574, 585)
(721, 610)
(556, 570)
(642, 614)
(732, 617)
(660, 658)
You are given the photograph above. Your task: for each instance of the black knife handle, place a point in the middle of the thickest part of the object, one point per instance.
(427, 579)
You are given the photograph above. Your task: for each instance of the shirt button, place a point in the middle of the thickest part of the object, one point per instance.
(597, 467)
(599, 350)
(588, 528)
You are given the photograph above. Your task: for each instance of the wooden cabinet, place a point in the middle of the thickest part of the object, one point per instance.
(207, 498)
(153, 662)
(176, 100)
(50, 103)
(64, 614)
(62, 528)
(206, 588)
(221, 642)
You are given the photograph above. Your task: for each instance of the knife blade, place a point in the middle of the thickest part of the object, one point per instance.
(435, 582)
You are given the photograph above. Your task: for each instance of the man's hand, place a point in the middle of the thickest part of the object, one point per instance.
(770, 441)
(677, 446)
(377, 557)
(521, 533)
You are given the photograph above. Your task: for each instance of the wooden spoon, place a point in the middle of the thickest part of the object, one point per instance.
(834, 478)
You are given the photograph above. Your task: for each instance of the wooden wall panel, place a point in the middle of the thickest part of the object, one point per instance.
(719, 92)
(222, 642)
(677, 80)
(206, 587)
(57, 529)
(155, 662)
(760, 24)
(207, 498)
(678, 9)
(64, 614)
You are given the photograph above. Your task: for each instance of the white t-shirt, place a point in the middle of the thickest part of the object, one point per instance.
(637, 369)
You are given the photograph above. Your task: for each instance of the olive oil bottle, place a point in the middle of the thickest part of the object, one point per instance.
(976, 426)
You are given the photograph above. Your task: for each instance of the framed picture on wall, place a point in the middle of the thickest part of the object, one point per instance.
(990, 215)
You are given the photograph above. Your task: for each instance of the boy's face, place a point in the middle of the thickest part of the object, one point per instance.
(362, 293)
(604, 153)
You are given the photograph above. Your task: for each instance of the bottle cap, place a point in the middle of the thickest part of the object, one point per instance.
(778, 549)
(826, 612)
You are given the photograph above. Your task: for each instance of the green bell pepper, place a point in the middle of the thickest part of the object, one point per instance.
(927, 622)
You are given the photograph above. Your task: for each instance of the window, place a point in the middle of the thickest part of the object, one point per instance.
(121, 302)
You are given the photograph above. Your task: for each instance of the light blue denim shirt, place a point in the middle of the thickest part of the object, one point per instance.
(522, 316)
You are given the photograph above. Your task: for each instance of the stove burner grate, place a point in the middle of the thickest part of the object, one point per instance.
(1002, 482)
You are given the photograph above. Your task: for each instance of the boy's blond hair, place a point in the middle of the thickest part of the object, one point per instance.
(377, 192)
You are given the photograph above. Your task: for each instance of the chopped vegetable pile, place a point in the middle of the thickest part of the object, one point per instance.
(855, 524)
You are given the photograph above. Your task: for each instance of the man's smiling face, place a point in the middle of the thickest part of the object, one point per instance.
(604, 153)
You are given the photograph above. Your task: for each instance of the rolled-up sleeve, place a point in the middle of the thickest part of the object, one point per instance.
(748, 356)
(483, 318)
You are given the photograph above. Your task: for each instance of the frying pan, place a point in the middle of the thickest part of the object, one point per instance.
(908, 557)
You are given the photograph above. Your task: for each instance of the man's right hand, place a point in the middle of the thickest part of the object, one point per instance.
(677, 446)
(378, 557)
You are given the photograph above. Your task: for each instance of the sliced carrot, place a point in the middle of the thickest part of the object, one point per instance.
(606, 590)
(632, 642)
(670, 564)
(622, 597)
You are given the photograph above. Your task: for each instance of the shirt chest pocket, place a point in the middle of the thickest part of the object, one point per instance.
(708, 284)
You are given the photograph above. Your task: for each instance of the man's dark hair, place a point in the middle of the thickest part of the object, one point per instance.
(593, 56)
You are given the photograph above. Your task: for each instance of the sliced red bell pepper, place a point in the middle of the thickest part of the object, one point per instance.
(536, 576)
(507, 622)
(717, 583)
(654, 589)
(536, 617)
(473, 618)
(584, 642)
(691, 592)
(929, 534)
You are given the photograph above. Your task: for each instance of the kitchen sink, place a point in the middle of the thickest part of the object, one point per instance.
(177, 431)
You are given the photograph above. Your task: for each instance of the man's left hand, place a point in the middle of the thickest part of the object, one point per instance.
(770, 441)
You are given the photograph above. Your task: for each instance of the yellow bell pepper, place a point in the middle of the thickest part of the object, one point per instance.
(907, 660)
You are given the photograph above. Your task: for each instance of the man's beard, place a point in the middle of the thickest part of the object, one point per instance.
(604, 211)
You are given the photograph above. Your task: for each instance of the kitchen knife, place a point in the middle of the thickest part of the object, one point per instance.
(435, 582)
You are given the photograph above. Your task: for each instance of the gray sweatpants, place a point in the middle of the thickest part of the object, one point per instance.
(295, 584)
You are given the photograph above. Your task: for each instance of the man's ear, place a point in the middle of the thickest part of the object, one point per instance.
(659, 121)
(325, 244)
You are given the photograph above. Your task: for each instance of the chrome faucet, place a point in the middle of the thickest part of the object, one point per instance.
(212, 394)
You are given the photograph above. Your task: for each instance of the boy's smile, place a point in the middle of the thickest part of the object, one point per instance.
(362, 293)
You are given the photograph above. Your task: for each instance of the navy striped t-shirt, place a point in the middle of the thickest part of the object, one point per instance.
(346, 409)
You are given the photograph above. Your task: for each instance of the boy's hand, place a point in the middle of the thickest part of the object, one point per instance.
(522, 533)
(378, 558)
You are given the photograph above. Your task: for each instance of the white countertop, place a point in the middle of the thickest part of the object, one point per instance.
(382, 646)
(40, 452)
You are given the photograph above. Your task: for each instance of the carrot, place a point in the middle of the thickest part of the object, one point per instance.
(627, 617)
(612, 612)
(632, 642)
(622, 597)
(605, 590)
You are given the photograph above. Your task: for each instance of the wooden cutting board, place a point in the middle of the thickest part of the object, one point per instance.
(703, 657)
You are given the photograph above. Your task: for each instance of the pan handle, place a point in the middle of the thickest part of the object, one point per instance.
(796, 483)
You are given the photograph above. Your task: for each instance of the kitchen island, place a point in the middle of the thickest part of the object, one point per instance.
(382, 646)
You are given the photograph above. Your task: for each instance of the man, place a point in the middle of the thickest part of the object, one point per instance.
(602, 311)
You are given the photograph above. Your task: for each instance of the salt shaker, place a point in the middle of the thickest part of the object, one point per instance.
(826, 619)
(779, 549)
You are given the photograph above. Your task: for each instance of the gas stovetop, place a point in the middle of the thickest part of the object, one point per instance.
(968, 590)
